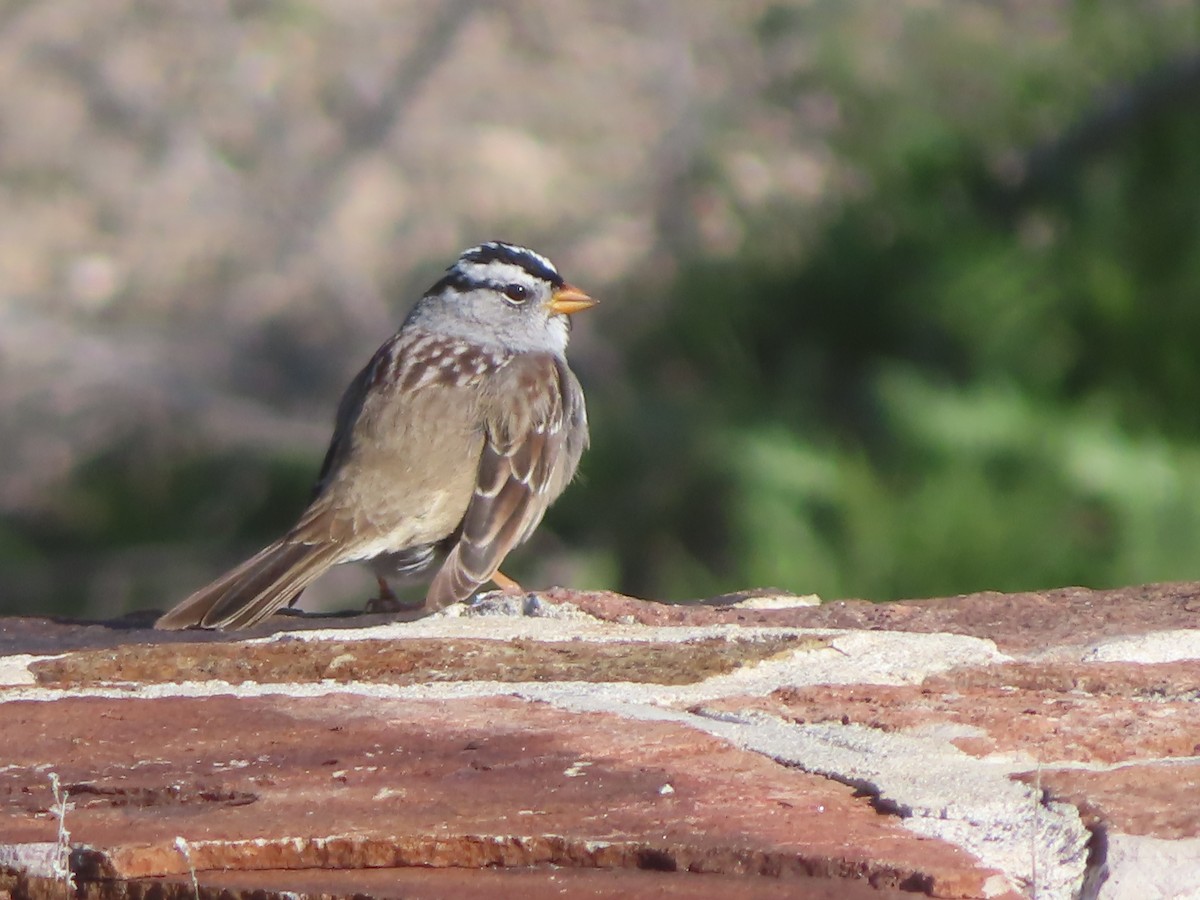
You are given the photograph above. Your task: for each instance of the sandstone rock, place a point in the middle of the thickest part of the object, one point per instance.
(997, 745)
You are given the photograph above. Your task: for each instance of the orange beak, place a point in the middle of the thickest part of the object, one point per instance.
(568, 300)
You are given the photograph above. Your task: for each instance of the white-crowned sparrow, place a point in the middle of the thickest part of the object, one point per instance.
(448, 447)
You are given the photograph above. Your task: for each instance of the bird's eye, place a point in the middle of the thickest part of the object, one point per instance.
(517, 293)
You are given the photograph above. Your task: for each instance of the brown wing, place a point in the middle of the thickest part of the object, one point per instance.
(535, 430)
(350, 407)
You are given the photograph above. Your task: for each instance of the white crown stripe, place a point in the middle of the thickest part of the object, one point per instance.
(515, 249)
(530, 262)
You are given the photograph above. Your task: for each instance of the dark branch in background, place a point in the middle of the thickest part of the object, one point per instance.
(147, 127)
(366, 128)
(300, 208)
(1173, 84)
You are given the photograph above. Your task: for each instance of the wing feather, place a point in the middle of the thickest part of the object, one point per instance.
(531, 450)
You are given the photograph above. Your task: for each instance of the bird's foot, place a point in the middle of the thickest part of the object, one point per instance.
(387, 601)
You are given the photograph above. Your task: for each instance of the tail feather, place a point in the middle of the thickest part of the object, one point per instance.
(255, 589)
(454, 582)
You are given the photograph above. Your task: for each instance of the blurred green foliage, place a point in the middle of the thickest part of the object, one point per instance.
(130, 517)
(974, 379)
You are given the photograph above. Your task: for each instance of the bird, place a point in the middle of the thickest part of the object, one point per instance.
(447, 448)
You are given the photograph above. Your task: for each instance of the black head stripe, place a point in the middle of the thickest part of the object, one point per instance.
(498, 251)
(458, 281)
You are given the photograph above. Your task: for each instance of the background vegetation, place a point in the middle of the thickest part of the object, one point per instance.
(900, 299)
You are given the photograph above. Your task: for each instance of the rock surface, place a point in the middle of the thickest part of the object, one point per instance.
(593, 745)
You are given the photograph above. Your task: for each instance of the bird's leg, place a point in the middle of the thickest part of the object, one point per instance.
(506, 584)
(386, 602)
